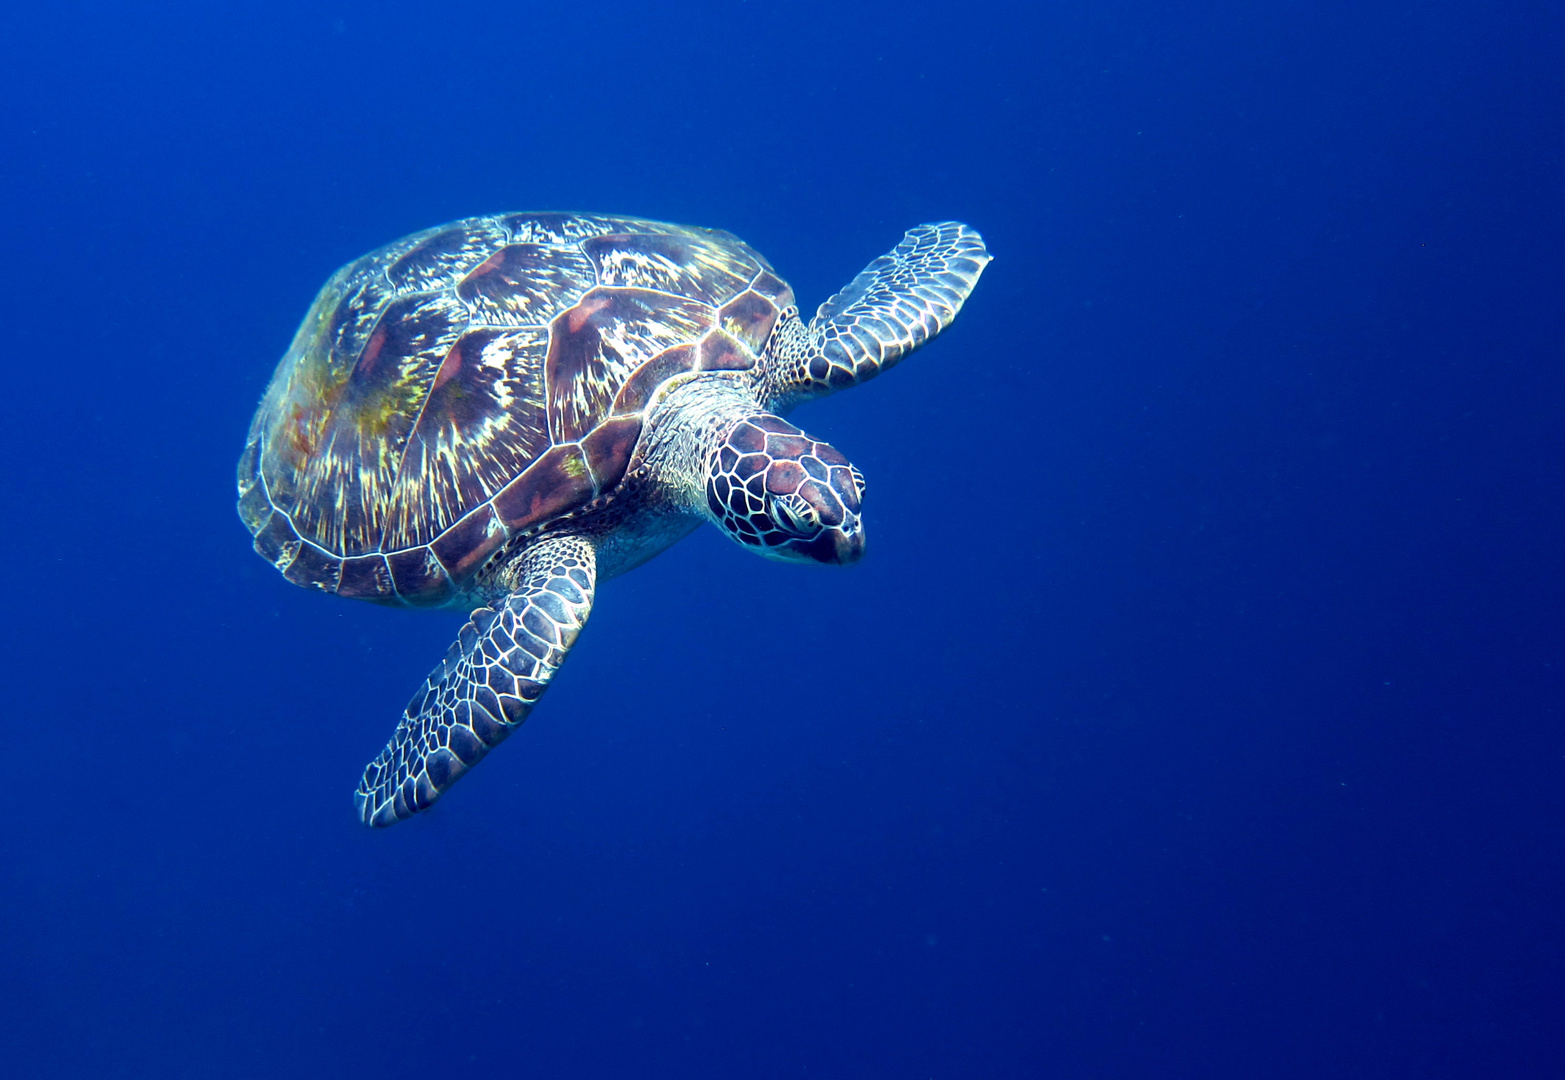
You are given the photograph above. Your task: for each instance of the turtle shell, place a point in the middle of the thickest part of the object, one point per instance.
(480, 380)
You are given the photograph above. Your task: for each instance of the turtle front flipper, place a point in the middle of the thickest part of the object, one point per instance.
(896, 304)
(487, 684)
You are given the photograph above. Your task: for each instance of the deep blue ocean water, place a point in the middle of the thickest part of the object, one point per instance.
(1197, 711)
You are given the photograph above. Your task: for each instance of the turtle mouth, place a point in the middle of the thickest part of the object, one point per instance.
(842, 546)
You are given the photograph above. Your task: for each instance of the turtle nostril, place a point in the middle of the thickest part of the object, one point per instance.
(848, 544)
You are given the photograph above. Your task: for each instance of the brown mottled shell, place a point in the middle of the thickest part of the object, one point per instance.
(477, 381)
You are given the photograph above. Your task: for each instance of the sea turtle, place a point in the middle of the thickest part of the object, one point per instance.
(505, 410)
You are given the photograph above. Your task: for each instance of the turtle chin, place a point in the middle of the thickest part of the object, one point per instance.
(841, 546)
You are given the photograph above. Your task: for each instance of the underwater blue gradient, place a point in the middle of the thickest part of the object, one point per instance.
(1196, 711)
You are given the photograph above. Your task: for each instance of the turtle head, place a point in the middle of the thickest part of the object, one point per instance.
(783, 494)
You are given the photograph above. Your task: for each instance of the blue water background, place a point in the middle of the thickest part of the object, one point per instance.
(1197, 711)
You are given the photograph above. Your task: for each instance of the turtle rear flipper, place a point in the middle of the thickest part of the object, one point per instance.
(487, 684)
(897, 303)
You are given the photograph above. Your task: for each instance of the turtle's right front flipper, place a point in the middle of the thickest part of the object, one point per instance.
(487, 684)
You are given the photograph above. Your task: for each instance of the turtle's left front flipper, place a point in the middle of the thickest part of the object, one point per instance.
(500, 665)
(896, 304)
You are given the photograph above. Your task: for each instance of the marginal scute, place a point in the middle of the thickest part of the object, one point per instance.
(750, 318)
(254, 507)
(419, 578)
(366, 577)
(313, 568)
(249, 462)
(721, 352)
(608, 449)
(465, 546)
(276, 541)
(774, 288)
(556, 482)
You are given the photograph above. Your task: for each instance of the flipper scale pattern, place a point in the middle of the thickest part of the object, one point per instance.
(897, 303)
(494, 673)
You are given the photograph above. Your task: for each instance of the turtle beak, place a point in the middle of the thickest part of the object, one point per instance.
(848, 541)
(842, 545)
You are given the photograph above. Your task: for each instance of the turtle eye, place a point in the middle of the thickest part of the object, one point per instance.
(794, 515)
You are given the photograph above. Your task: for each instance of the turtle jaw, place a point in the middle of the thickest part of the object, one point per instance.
(840, 546)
